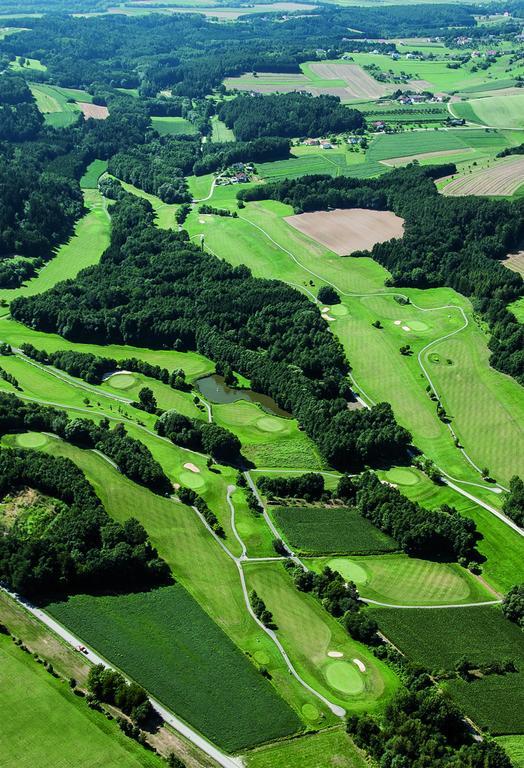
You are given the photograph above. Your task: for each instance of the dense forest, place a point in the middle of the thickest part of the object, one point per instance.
(154, 288)
(133, 458)
(457, 242)
(191, 55)
(288, 114)
(76, 547)
(199, 436)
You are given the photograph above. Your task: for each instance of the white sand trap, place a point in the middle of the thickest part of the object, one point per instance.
(176, 486)
(201, 221)
(116, 373)
(191, 467)
(398, 322)
(325, 309)
(327, 317)
(335, 654)
(360, 665)
(406, 328)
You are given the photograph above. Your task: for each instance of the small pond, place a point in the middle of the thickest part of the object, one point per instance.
(215, 389)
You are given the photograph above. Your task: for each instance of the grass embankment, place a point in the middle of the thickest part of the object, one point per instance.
(401, 580)
(48, 725)
(308, 634)
(166, 642)
(439, 638)
(310, 752)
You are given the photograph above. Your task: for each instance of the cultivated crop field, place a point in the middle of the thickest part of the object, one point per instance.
(167, 643)
(60, 106)
(439, 638)
(345, 231)
(502, 178)
(48, 725)
(321, 530)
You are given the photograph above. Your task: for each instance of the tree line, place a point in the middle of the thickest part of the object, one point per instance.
(155, 289)
(199, 436)
(458, 242)
(82, 548)
(131, 456)
(93, 368)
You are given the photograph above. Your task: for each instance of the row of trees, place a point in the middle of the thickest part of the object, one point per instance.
(457, 242)
(154, 288)
(81, 549)
(431, 534)
(93, 368)
(131, 456)
(514, 502)
(309, 486)
(197, 435)
(109, 686)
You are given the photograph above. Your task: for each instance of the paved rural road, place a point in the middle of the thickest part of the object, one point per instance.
(195, 738)
(430, 607)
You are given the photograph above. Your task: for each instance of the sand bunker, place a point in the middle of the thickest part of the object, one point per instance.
(347, 230)
(335, 654)
(398, 322)
(406, 328)
(191, 467)
(325, 309)
(360, 665)
(327, 317)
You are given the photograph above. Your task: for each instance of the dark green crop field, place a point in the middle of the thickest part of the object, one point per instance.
(166, 642)
(438, 638)
(324, 530)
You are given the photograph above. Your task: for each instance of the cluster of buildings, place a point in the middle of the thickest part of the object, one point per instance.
(237, 173)
(322, 143)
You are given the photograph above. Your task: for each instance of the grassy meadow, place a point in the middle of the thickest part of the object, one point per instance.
(168, 644)
(48, 725)
(173, 126)
(310, 751)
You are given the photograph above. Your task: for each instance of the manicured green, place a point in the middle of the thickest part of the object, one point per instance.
(93, 172)
(401, 580)
(514, 746)
(310, 751)
(173, 126)
(319, 529)
(308, 634)
(439, 638)
(166, 642)
(45, 724)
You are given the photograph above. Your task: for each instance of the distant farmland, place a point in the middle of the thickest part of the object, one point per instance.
(503, 178)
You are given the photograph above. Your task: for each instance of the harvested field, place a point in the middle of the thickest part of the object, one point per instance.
(504, 178)
(93, 110)
(347, 230)
(394, 161)
(515, 262)
(358, 82)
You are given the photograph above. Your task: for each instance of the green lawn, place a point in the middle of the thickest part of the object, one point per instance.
(308, 634)
(93, 172)
(220, 131)
(403, 580)
(166, 642)
(30, 64)
(438, 638)
(514, 746)
(48, 725)
(505, 111)
(310, 751)
(165, 212)
(322, 530)
(89, 241)
(55, 104)
(173, 126)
